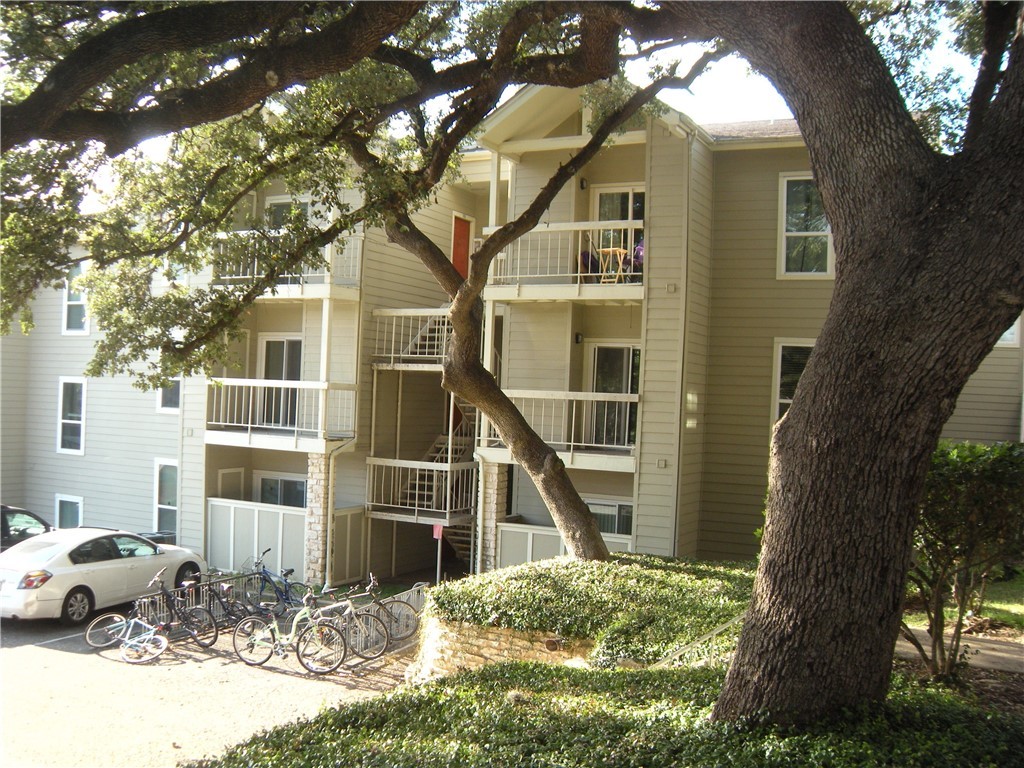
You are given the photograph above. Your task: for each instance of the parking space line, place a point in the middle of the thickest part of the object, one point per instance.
(59, 639)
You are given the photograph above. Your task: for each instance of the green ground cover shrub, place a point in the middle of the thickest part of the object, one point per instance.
(536, 715)
(639, 607)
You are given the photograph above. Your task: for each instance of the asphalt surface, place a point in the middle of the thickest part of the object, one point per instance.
(66, 705)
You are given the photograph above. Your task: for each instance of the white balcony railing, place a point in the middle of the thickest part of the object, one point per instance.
(412, 336)
(423, 489)
(341, 262)
(324, 410)
(569, 421)
(572, 254)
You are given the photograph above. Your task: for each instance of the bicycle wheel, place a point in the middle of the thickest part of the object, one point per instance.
(321, 648)
(401, 618)
(367, 635)
(296, 591)
(143, 649)
(105, 630)
(235, 611)
(253, 641)
(201, 626)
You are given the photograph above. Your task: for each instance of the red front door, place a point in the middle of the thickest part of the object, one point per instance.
(461, 230)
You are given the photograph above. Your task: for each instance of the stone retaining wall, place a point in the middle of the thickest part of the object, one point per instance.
(445, 648)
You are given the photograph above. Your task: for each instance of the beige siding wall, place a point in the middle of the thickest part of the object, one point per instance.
(531, 174)
(665, 267)
(989, 408)
(537, 341)
(750, 308)
(15, 389)
(124, 433)
(696, 339)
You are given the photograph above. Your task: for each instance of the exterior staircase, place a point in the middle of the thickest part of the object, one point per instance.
(421, 491)
(431, 342)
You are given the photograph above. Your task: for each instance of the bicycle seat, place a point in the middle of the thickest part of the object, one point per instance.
(287, 572)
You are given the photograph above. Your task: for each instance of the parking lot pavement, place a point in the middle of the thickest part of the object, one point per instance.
(64, 704)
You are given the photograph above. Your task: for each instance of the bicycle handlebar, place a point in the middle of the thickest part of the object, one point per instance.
(158, 578)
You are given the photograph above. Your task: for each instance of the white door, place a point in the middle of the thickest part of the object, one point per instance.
(615, 369)
(282, 361)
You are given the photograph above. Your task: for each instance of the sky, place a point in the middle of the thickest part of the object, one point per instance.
(727, 92)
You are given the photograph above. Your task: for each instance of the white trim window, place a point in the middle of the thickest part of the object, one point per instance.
(67, 510)
(805, 238)
(791, 357)
(612, 516)
(71, 415)
(1011, 338)
(168, 399)
(74, 317)
(286, 490)
(165, 495)
(620, 203)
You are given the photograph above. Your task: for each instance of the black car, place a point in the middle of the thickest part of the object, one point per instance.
(19, 524)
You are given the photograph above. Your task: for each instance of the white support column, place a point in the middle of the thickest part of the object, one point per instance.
(492, 207)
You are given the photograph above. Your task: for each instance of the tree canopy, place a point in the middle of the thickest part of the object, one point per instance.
(925, 216)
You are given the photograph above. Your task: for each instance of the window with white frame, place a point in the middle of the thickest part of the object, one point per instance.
(612, 516)
(621, 204)
(67, 511)
(1011, 338)
(790, 360)
(805, 238)
(71, 415)
(277, 488)
(74, 321)
(165, 483)
(279, 210)
(169, 397)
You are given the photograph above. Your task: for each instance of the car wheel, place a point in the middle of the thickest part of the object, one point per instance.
(187, 572)
(77, 607)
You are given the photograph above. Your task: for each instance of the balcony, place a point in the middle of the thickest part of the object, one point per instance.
(420, 491)
(590, 430)
(281, 415)
(336, 276)
(411, 339)
(588, 259)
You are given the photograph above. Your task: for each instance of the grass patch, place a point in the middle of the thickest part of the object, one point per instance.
(639, 607)
(537, 715)
(1004, 602)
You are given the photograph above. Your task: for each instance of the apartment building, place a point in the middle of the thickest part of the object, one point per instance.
(651, 329)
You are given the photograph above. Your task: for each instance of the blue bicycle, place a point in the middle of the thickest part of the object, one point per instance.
(267, 587)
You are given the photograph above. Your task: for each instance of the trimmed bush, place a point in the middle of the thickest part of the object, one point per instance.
(638, 607)
(539, 715)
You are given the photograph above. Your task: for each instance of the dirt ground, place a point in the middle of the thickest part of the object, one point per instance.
(65, 705)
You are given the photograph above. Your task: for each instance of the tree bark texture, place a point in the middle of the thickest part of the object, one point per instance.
(930, 272)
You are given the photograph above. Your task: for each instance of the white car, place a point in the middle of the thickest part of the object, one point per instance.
(67, 573)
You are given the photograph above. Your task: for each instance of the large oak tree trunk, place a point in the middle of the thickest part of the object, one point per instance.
(930, 272)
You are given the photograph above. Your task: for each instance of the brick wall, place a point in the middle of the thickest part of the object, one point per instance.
(446, 648)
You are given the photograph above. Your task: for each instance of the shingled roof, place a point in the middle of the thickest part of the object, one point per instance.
(754, 129)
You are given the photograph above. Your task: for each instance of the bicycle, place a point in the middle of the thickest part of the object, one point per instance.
(320, 646)
(276, 587)
(365, 633)
(220, 595)
(145, 646)
(198, 622)
(401, 617)
(140, 640)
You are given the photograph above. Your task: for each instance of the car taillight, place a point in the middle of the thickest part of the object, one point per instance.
(34, 579)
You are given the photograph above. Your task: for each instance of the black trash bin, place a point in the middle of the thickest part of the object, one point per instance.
(161, 537)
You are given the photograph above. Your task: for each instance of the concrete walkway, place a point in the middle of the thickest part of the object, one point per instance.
(999, 655)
